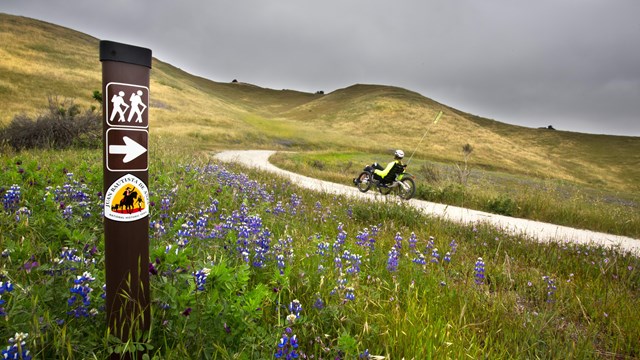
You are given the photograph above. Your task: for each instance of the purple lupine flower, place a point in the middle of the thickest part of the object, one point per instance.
(398, 239)
(362, 237)
(22, 212)
(353, 262)
(413, 240)
(69, 259)
(67, 213)
(73, 198)
(30, 264)
(392, 260)
(157, 228)
(295, 308)
(318, 304)
(17, 348)
(323, 248)
(365, 355)
(479, 271)
(341, 285)
(551, 288)
(284, 251)
(435, 256)
(419, 259)
(431, 243)
(80, 300)
(349, 294)
(11, 198)
(287, 346)
(340, 239)
(245, 256)
(6, 287)
(200, 277)
(262, 247)
(294, 203)
(337, 262)
(280, 263)
(3, 312)
(279, 209)
(366, 238)
(453, 245)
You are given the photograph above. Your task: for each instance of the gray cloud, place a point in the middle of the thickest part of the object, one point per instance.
(569, 63)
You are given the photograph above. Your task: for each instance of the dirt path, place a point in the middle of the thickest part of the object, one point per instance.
(539, 231)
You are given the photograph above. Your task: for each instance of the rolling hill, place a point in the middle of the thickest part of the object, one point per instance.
(39, 59)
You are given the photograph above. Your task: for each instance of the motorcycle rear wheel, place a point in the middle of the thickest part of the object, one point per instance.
(364, 181)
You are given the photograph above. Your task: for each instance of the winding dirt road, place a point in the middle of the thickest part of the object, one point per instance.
(538, 231)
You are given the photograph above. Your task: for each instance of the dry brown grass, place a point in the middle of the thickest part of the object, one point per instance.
(39, 59)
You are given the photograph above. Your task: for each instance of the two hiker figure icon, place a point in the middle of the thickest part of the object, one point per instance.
(120, 107)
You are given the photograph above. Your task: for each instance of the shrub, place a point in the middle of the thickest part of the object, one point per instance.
(317, 164)
(62, 125)
(502, 205)
(430, 173)
(449, 193)
(464, 171)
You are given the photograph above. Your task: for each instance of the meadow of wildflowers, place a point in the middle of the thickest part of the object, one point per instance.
(247, 266)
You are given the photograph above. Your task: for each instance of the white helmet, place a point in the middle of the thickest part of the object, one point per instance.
(399, 154)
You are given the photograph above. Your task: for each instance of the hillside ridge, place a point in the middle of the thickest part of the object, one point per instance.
(39, 59)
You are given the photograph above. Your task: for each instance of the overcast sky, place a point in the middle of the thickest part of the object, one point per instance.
(573, 64)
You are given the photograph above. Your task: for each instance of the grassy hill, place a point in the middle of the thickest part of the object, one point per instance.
(39, 59)
(247, 265)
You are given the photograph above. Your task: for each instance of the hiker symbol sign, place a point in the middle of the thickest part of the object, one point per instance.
(127, 105)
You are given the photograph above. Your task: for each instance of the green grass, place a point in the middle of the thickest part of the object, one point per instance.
(553, 201)
(535, 301)
(435, 310)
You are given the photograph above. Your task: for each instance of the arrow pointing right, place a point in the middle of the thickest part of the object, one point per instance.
(130, 149)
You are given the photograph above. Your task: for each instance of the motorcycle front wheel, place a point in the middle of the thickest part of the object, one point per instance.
(406, 188)
(364, 181)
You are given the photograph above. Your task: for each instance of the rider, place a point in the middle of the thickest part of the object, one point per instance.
(387, 175)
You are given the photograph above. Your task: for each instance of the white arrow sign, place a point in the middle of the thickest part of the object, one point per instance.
(130, 149)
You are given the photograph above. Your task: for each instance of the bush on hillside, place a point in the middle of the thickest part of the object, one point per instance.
(62, 125)
(430, 173)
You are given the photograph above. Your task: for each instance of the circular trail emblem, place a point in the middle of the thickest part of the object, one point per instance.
(126, 199)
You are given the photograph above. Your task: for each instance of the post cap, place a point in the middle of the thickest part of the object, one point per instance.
(113, 51)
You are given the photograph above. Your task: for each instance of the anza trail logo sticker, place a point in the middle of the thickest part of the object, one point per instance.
(127, 199)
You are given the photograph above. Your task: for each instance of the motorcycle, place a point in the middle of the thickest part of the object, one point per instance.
(402, 185)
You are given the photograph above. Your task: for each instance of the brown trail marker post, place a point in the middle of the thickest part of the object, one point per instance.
(125, 86)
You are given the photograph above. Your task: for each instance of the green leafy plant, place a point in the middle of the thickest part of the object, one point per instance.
(245, 265)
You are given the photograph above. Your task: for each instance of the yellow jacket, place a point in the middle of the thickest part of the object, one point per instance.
(385, 172)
